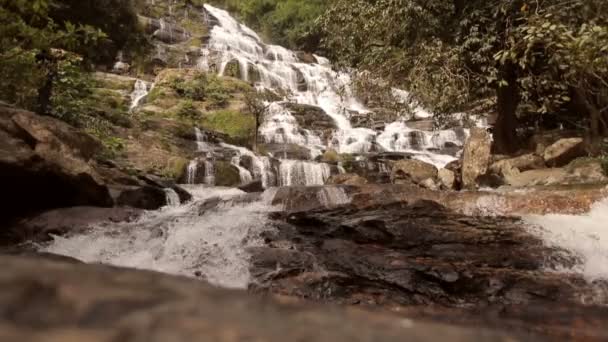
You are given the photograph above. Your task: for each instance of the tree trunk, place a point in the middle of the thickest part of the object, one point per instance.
(255, 134)
(45, 92)
(595, 120)
(505, 134)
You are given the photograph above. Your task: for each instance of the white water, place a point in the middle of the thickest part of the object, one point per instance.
(193, 167)
(297, 172)
(276, 68)
(172, 198)
(177, 240)
(586, 236)
(140, 91)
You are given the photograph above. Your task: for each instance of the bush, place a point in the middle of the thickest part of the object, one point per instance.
(188, 112)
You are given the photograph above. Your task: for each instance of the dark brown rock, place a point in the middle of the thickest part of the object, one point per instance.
(54, 299)
(421, 254)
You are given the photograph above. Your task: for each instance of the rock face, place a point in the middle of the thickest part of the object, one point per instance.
(476, 157)
(564, 151)
(57, 299)
(347, 179)
(49, 164)
(420, 254)
(412, 171)
(46, 164)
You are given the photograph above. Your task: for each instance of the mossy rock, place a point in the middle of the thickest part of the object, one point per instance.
(114, 82)
(236, 125)
(226, 174)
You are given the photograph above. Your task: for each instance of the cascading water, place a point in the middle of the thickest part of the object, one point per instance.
(192, 170)
(276, 68)
(179, 240)
(297, 172)
(140, 91)
(585, 236)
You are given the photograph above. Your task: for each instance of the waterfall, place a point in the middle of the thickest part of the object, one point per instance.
(332, 196)
(172, 197)
(276, 68)
(140, 91)
(297, 172)
(260, 166)
(178, 240)
(193, 167)
(585, 236)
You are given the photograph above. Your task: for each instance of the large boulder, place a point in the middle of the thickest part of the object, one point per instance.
(412, 171)
(52, 298)
(347, 179)
(564, 151)
(580, 171)
(522, 163)
(476, 157)
(447, 179)
(46, 164)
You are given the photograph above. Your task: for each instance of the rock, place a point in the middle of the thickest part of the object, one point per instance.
(306, 57)
(286, 151)
(564, 151)
(476, 157)
(538, 200)
(69, 221)
(447, 178)
(314, 119)
(47, 164)
(347, 179)
(522, 163)
(412, 170)
(106, 304)
(582, 171)
(144, 197)
(408, 255)
(255, 186)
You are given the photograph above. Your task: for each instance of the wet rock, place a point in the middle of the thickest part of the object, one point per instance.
(421, 254)
(412, 171)
(564, 151)
(286, 151)
(144, 197)
(535, 200)
(313, 118)
(255, 186)
(306, 57)
(347, 179)
(68, 221)
(476, 157)
(110, 304)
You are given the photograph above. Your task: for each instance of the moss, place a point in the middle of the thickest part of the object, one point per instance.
(235, 124)
(330, 156)
(226, 174)
(114, 82)
(175, 168)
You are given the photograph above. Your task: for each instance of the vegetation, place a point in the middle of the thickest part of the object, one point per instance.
(46, 47)
(238, 126)
(539, 63)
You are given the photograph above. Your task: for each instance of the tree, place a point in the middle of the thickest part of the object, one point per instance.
(38, 40)
(257, 105)
(529, 58)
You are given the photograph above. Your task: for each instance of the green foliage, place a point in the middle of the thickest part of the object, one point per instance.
(188, 112)
(71, 92)
(453, 53)
(237, 125)
(201, 87)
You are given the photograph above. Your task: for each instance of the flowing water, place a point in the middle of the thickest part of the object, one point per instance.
(586, 236)
(140, 91)
(177, 240)
(317, 84)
